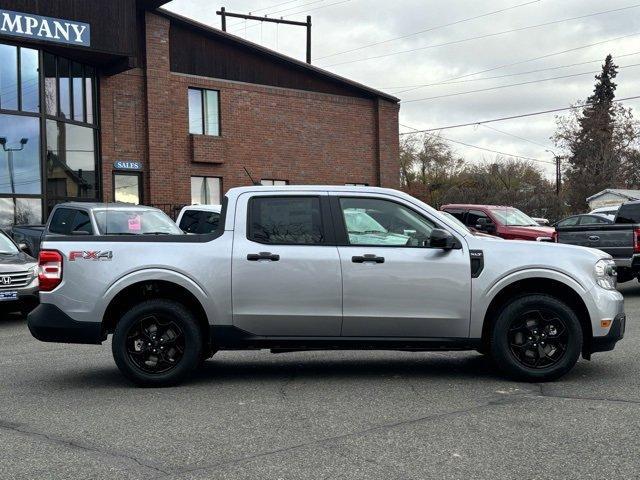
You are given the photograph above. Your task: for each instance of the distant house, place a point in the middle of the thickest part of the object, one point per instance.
(612, 197)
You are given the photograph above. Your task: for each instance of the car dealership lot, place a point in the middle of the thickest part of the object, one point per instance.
(66, 412)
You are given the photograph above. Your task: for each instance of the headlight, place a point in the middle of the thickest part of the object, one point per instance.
(605, 273)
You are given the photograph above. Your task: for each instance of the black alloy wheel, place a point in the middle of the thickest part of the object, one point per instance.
(158, 343)
(538, 339)
(155, 344)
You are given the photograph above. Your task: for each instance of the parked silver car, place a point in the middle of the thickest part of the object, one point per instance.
(289, 268)
(18, 277)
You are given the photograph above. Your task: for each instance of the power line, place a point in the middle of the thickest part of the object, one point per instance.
(429, 29)
(266, 8)
(512, 117)
(478, 147)
(541, 57)
(452, 82)
(511, 85)
(487, 35)
(515, 136)
(285, 10)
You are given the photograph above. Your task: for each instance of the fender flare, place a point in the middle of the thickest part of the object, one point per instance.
(484, 299)
(152, 274)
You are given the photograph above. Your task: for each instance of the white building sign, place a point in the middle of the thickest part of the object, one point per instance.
(44, 28)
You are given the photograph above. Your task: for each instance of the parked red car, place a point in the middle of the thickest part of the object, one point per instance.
(505, 222)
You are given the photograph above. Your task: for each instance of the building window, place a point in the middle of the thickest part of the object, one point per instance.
(48, 150)
(206, 190)
(273, 183)
(127, 188)
(204, 112)
(356, 184)
(71, 161)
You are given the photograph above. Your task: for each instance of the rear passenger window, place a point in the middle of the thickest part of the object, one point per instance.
(286, 221)
(198, 221)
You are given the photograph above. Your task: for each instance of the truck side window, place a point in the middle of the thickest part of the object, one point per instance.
(67, 220)
(199, 221)
(82, 223)
(286, 221)
(373, 221)
(459, 214)
(629, 213)
(473, 216)
(61, 221)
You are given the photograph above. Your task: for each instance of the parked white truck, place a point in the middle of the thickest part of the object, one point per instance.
(314, 268)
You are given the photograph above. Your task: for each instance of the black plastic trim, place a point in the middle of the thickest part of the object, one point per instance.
(48, 323)
(228, 337)
(616, 333)
(477, 262)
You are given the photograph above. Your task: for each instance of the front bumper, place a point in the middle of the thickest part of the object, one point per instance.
(616, 333)
(48, 323)
(27, 298)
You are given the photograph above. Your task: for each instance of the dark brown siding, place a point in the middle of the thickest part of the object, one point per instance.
(113, 23)
(209, 55)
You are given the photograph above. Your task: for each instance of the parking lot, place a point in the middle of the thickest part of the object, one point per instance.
(66, 412)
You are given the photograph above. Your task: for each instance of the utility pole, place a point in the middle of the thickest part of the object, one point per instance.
(558, 171)
(224, 14)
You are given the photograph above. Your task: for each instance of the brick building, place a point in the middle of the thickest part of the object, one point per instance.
(122, 100)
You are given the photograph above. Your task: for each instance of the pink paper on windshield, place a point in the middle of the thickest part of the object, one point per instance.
(135, 223)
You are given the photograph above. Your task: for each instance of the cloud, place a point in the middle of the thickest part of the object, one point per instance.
(351, 24)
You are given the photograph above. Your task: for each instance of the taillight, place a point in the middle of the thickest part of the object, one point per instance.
(49, 269)
(554, 236)
(636, 240)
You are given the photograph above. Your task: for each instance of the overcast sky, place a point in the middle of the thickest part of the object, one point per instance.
(342, 25)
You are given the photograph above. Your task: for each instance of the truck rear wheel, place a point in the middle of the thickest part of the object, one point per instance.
(536, 338)
(157, 343)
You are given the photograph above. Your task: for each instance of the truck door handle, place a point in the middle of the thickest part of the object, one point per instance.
(594, 238)
(367, 258)
(254, 257)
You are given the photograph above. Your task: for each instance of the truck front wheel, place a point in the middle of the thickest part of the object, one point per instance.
(536, 338)
(157, 343)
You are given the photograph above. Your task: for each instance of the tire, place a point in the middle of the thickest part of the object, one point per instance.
(157, 343)
(541, 356)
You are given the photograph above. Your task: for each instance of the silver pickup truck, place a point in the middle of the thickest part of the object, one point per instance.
(314, 268)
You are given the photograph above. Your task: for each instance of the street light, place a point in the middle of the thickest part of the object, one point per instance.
(3, 143)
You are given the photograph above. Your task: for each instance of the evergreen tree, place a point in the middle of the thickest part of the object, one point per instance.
(594, 161)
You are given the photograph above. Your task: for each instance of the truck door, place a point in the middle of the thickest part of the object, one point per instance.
(286, 277)
(393, 285)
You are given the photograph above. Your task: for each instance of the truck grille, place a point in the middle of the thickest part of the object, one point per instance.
(14, 280)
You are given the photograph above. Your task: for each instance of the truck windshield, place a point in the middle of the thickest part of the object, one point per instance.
(513, 217)
(7, 246)
(135, 222)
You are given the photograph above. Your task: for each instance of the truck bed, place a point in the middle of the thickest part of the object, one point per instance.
(614, 239)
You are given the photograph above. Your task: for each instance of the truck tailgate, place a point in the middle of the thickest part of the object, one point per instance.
(616, 240)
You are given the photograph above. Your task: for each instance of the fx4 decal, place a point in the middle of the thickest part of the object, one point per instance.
(95, 256)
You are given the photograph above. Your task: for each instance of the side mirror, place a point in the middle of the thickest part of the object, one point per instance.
(23, 247)
(441, 239)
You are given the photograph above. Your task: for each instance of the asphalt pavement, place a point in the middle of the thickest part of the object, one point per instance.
(66, 412)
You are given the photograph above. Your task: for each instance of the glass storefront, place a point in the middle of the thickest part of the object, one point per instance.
(48, 153)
